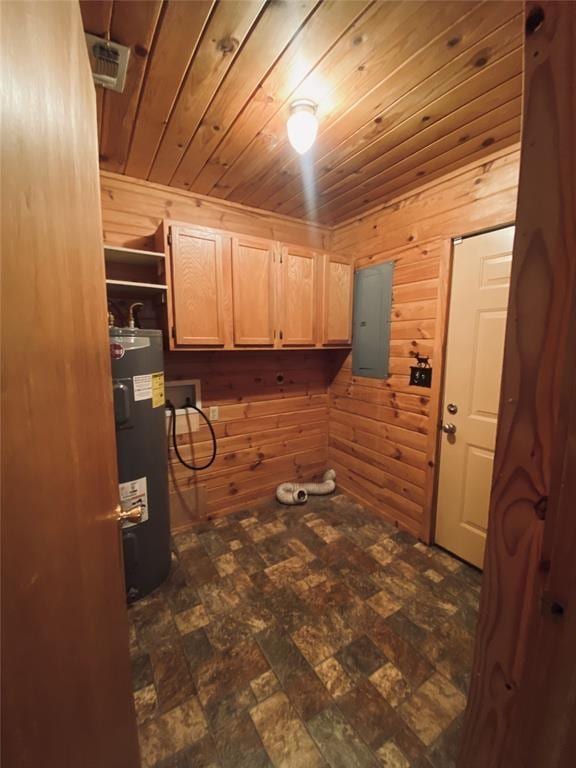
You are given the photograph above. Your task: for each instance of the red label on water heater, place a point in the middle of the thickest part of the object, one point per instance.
(116, 351)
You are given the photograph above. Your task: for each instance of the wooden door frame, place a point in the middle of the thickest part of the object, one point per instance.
(428, 529)
(440, 351)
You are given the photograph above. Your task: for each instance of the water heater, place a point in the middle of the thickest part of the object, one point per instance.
(138, 387)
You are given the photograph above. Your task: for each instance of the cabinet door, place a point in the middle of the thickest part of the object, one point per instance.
(338, 287)
(253, 291)
(198, 286)
(298, 296)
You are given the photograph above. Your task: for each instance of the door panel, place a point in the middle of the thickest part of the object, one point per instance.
(490, 334)
(298, 296)
(477, 481)
(338, 287)
(476, 329)
(66, 686)
(253, 290)
(198, 286)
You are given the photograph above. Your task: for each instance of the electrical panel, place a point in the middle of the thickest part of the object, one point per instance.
(371, 324)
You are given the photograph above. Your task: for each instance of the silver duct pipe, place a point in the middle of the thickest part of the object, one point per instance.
(297, 493)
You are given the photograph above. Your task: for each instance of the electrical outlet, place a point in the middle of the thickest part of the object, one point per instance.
(214, 413)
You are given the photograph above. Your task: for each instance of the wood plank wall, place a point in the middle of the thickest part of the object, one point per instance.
(132, 209)
(268, 431)
(383, 433)
(272, 427)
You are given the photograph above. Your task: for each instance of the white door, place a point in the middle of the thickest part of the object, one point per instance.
(475, 348)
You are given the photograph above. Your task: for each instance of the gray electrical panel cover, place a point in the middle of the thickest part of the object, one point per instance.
(371, 325)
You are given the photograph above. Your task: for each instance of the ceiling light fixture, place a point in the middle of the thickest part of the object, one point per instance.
(302, 125)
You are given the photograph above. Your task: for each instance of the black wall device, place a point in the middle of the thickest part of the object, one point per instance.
(421, 373)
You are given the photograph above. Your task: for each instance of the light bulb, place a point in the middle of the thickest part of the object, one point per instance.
(302, 125)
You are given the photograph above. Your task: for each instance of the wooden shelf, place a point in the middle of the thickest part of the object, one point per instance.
(116, 254)
(130, 288)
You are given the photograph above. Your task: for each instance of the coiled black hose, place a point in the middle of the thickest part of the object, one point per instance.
(174, 440)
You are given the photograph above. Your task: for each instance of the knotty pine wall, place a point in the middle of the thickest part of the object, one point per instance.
(272, 427)
(269, 430)
(383, 433)
(132, 209)
(380, 436)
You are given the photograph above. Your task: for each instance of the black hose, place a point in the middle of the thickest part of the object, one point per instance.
(210, 427)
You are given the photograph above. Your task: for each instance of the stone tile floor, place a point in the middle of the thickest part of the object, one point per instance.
(304, 637)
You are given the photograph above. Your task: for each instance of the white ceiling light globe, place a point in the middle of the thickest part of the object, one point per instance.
(302, 125)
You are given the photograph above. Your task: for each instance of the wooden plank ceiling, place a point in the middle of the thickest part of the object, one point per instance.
(406, 91)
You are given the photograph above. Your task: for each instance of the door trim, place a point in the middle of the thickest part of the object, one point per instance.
(428, 530)
(438, 363)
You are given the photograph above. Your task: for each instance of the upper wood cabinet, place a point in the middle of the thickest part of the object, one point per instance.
(198, 286)
(234, 291)
(338, 286)
(298, 296)
(253, 281)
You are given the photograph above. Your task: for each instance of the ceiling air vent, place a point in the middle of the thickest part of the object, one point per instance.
(109, 62)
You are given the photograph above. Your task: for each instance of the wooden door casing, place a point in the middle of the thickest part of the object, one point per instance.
(66, 682)
(253, 284)
(337, 299)
(198, 286)
(473, 366)
(298, 296)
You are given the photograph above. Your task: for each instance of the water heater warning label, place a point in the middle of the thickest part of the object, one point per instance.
(133, 494)
(158, 397)
(143, 386)
(149, 386)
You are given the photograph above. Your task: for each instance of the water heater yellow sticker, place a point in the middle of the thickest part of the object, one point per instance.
(158, 397)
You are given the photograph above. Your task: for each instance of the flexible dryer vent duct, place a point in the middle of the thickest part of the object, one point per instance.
(297, 493)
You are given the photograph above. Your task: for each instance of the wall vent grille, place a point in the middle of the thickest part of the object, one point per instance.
(109, 62)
